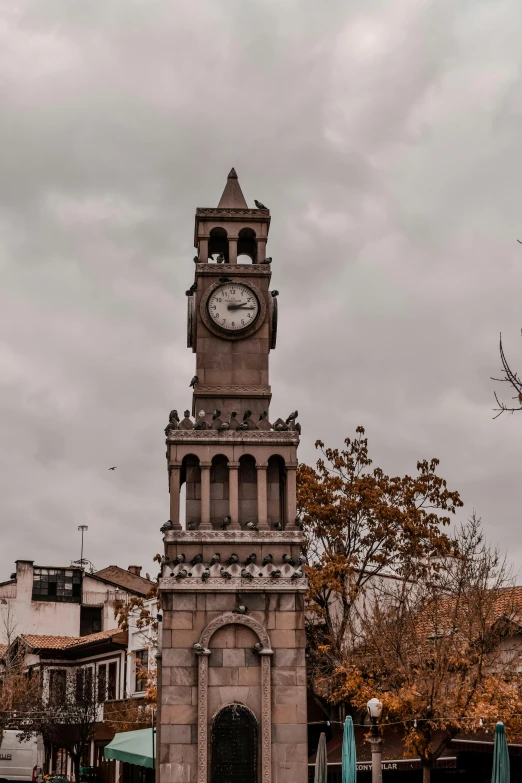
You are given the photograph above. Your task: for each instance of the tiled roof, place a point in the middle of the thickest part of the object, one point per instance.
(3, 649)
(43, 642)
(125, 579)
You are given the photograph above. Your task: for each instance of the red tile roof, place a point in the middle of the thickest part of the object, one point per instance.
(125, 579)
(43, 642)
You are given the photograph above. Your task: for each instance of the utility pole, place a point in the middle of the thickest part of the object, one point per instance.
(82, 529)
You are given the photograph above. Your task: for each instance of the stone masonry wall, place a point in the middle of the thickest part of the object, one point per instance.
(234, 676)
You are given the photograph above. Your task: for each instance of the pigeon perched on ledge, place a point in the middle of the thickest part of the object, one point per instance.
(246, 574)
(259, 204)
(267, 260)
(194, 381)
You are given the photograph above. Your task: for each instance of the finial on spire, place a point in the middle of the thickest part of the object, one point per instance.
(232, 197)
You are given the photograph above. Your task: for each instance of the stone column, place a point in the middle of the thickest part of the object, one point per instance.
(261, 249)
(233, 493)
(232, 250)
(290, 498)
(262, 505)
(205, 497)
(174, 488)
(203, 251)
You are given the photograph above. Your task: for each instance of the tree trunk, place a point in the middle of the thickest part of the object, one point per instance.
(426, 773)
(76, 766)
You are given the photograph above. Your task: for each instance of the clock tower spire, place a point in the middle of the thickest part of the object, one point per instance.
(232, 586)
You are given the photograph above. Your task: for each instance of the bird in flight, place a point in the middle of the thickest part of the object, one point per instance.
(113, 468)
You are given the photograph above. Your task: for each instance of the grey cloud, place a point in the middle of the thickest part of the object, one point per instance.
(385, 139)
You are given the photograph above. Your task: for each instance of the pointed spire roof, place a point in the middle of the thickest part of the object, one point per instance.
(232, 195)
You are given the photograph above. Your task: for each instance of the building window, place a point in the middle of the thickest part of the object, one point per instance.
(57, 584)
(107, 681)
(57, 686)
(112, 680)
(142, 667)
(84, 684)
(102, 682)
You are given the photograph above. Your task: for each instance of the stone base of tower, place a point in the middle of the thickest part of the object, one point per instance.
(239, 697)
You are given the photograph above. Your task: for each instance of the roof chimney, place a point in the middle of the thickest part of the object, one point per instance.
(135, 570)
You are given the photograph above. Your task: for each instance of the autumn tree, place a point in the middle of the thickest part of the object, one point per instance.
(65, 711)
(513, 380)
(136, 613)
(18, 689)
(442, 652)
(358, 525)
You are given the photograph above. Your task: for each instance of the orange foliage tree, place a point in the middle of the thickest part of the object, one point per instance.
(359, 524)
(443, 653)
(137, 613)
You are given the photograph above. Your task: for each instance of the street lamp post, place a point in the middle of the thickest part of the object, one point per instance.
(375, 711)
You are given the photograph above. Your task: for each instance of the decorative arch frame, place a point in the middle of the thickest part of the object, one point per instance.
(229, 618)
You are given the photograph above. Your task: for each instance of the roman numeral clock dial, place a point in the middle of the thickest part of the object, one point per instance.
(233, 307)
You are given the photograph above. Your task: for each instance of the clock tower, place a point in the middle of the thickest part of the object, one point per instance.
(231, 669)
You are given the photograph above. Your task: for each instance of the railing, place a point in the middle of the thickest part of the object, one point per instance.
(91, 598)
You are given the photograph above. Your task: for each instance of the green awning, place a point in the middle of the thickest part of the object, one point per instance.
(134, 747)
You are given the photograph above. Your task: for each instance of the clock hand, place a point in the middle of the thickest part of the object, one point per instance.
(243, 306)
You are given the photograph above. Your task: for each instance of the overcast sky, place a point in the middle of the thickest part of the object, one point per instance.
(384, 135)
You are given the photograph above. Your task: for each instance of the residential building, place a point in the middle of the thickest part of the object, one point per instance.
(65, 600)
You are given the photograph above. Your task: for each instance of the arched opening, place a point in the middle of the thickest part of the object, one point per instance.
(246, 245)
(219, 490)
(191, 477)
(275, 479)
(218, 243)
(234, 741)
(247, 490)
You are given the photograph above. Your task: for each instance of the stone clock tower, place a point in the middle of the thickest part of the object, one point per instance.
(232, 678)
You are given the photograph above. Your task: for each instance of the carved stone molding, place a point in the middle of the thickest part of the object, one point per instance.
(233, 270)
(233, 212)
(226, 436)
(229, 618)
(208, 390)
(234, 536)
(266, 720)
(202, 718)
(234, 585)
(240, 334)
(266, 710)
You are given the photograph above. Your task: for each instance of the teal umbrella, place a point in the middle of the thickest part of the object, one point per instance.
(500, 756)
(349, 755)
(321, 760)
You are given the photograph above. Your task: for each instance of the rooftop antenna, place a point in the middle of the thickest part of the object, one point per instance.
(82, 529)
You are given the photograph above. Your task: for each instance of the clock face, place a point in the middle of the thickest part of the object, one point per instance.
(233, 306)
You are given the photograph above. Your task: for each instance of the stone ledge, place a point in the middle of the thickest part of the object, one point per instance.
(234, 585)
(233, 270)
(234, 436)
(234, 536)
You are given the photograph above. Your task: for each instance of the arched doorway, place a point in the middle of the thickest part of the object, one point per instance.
(234, 745)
